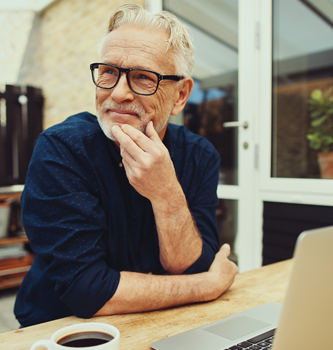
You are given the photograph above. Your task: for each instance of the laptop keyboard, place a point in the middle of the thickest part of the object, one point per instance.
(260, 342)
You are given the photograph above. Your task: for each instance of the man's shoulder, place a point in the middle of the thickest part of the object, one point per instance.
(181, 137)
(75, 128)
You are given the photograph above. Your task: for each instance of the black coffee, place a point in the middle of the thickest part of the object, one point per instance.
(85, 339)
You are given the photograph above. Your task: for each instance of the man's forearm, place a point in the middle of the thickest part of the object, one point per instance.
(141, 292)
(138, 292)
(180, 242)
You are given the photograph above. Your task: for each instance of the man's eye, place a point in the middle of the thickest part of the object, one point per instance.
(143, 76)
(112, 72)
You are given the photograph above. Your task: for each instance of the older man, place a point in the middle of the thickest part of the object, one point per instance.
(120, 209)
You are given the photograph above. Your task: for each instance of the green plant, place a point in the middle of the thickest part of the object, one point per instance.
(320, 134)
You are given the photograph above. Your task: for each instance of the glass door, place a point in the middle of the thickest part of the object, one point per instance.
(213, 110)
(259, 67)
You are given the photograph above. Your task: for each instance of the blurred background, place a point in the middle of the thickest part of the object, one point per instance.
(262, 95)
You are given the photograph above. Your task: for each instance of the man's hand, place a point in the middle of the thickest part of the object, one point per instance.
(147, 162)
(222, 271)
(150, 171)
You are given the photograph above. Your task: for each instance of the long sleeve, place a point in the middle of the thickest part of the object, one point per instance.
(66, 226)
(197, 167)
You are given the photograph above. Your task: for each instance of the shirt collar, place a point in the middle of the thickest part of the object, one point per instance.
(168, 142)
(114, 150)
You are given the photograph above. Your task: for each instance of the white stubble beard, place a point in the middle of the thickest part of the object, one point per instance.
(106, 124)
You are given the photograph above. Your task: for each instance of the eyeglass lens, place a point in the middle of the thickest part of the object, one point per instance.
(141, 82)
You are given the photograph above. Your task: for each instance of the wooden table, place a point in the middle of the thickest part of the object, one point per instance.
(138, 331)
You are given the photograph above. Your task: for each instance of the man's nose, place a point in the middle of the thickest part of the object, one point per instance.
(122, 92)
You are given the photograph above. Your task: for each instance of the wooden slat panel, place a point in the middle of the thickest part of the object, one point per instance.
(15, 270)
(12, 263)
(3, 136)
(11, 281)
(18, 137)
(13, 240)
(283, 223)
(13, 111)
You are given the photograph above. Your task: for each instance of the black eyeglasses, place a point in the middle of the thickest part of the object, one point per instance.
(141, 81)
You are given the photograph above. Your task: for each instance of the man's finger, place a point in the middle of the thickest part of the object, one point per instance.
(225, 249)
(138, 137)
(126, 142)
(151, 132)
(125, 155)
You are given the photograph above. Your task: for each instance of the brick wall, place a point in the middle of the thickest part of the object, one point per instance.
(62, 44)
(15, 27)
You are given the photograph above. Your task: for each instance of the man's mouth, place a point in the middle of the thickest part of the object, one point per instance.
(121, 112)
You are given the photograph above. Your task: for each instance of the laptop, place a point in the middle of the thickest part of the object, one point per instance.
(304, 321)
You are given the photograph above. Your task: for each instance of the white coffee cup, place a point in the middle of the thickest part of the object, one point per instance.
(81, 328)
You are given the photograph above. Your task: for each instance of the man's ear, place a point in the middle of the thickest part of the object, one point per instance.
(181, 95)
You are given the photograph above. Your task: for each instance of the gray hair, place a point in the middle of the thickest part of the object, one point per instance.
(179, 39)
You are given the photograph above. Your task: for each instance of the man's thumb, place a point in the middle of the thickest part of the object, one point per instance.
(226, 248)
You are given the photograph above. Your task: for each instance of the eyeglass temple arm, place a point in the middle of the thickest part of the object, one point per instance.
(172, 77)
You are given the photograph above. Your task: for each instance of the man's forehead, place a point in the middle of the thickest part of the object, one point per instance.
(134, 37)
(132, 41)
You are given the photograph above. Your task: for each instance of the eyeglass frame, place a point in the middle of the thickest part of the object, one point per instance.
(127, 70)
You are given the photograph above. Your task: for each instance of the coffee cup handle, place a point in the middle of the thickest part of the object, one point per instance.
(45, 342)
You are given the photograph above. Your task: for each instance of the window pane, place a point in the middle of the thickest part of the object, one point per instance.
(302, 63)
(214, 28)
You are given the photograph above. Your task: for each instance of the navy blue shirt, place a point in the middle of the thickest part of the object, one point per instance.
(86, 223)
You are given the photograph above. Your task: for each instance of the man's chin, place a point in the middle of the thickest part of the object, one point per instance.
(106, 128)
(108, 133)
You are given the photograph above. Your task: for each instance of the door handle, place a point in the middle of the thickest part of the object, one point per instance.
(245, 125)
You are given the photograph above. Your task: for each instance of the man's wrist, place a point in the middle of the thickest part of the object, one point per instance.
(171, 201)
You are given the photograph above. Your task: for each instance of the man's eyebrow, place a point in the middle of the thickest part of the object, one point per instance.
(133, 67)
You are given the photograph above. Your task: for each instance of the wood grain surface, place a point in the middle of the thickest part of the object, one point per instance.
(138, 331)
